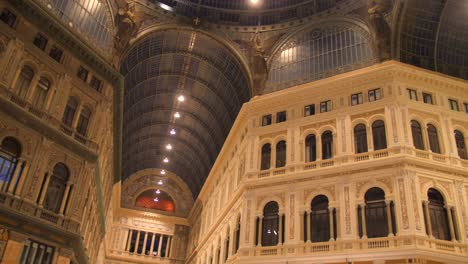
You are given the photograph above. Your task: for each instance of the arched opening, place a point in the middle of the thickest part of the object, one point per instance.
(320, 219)
(70, 111)
(378, 215)
(40, 94)
(433, 138)
(280, 154)
(226, 245)
(238, 232)
(416, 131)
(379, 137)
(327, 145)
(266, 157)
(438, 217)
(10, 151)
(56, 189)
(155, 199)
(360, 138)
(461, 147)
(24, 81)
(310, 148)
(270, 225)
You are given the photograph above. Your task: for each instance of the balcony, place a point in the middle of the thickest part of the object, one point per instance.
(33, 210)
(48, 119)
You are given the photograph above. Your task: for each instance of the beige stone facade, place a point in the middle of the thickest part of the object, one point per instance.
(384, 146)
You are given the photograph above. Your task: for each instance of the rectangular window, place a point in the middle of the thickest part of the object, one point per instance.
(466, 107)
(412, 94)
(325, 106)
(309, 110)
(82, 73)
(427, 98)
(35, 252)
(8, 18)
(96, 83)
(266, 120)
(281, 117)
(56, 54)
(40, 41)
(454, 105)
(356, 99)
(375, 95)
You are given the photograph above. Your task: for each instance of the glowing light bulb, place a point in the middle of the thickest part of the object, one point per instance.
(177, 115)
(172, 132)
(156, 199)
(254, 2)
(158, 191)
(163, 172)
(160, 182)
(181, 98)
(165, 160)
(168, 146)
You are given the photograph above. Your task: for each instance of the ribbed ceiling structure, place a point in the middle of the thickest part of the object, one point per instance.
(160, 68)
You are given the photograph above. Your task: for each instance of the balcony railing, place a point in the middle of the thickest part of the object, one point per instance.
(48, 119)
(125, 255)
(33, 210)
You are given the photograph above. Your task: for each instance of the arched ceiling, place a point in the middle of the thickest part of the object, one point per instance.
(434, 35)
(246, 13)
(159, 68)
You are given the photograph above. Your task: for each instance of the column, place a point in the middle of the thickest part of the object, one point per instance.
(309, 213)
(65, 198)
(32, 88)
(137, 242)
(450, 220)
(259, 235)
(143, 251)
(44, 190)
(160, 245)
(338, 224)
(389, 218)
(363, 220)
(428, 219)
(168, 246)
(223, 249)
(22, 179)
(332, 230)
(77, 115)
(152, 244)
(232, 240)
(15, 176)
(13, 248)
(129, 240)
(280, 229)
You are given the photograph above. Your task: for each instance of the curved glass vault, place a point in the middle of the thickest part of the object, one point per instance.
(162, 131)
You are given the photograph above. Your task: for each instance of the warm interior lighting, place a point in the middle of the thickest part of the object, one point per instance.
(166, 160)
(163, 172)
(156, 199)
(158, 191)
(160, 182)
(254, 2)
(181, 98)
(168, 146)
(177, 115)
(172, 132)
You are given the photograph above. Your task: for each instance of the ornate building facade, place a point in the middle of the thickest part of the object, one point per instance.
(210, 132)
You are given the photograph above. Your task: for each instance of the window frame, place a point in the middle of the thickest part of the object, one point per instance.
(359, 99)
(412, 94)
(326, 106)
(309, 110)
(281, 117)
(82, 73)
(8, 17)
(453, 103)
(428, 95)
(374, 94)
(40, 41)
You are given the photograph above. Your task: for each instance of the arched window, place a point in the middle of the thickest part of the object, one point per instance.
(40, 95)
(376, 212)
(378, 135)
(281, 154)
(10, 150)
(83, 121)
(270, 229)
(311, 148)
(266, 157)
(327, 145)
(56, 188)
(360, 138)
(417, 135)
(70, 111)
(238, 232)
(438, 215)
(433, 138)
(461, 147)
(24, 81)
(319, 219)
